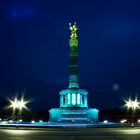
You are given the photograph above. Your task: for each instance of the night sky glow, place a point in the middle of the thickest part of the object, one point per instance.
(34, 50)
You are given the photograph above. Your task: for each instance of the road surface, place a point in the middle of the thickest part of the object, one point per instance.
(71, 134)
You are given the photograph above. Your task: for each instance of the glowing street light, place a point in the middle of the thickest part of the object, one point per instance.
(133, 105)
(14, 104)
(105, 121)
(18, 105)
(41, 121)
(33, 121)
(22, 104)
(123, 121)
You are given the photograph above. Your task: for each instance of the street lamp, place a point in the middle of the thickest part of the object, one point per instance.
(133, 105)
(18, 105)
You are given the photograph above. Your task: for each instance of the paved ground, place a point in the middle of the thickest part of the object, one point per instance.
(71, 134)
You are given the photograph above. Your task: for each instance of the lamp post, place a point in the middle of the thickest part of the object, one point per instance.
(133, 105)
(17, 106)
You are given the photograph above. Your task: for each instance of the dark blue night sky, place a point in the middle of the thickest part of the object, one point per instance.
(34, 50)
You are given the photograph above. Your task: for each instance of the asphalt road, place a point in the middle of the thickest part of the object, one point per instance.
(71, 134)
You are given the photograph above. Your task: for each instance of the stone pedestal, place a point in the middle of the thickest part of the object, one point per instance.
(81, 115)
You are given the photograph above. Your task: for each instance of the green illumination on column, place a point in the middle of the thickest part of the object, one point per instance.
(73, 37)
(73, 68)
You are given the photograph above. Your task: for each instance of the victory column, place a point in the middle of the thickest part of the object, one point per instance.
(73, 101)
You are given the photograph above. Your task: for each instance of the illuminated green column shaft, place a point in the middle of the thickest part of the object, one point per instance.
(73, 67)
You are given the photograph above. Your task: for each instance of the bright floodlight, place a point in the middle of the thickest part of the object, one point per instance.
(40, 121)
(123, 121)
(132, 104)
(18, 104)
(14, 104)
(105, 121)
(128, 103)
(22, 104)
(32, 121)
(136, 104)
